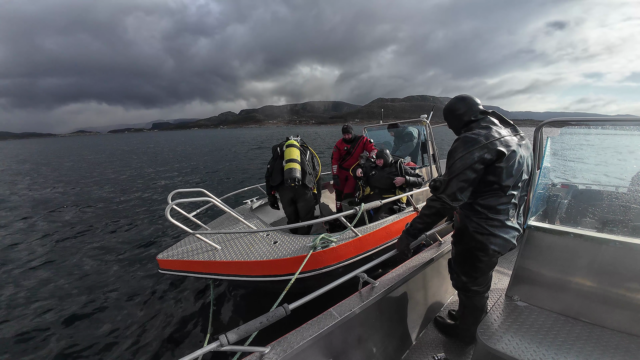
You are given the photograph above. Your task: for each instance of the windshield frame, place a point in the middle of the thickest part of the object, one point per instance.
(432, 150)
(539, 147)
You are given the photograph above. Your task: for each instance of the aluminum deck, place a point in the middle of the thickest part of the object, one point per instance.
(254, 246)
(431, 342)
(313, 340)
(517, 330)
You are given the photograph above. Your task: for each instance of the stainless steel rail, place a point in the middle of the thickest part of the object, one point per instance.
(255, 186)
(367, 206)
(182, 201)
(216, 201)
(259, 186)
(392, 122)
(215, 346)
(212, 201)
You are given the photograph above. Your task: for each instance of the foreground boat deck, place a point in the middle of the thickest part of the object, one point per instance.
(431, 342)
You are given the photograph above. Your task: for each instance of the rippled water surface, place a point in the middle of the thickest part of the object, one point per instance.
(82, 219)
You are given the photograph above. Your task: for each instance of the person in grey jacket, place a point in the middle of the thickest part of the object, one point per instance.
(484, 188)
(405, 141)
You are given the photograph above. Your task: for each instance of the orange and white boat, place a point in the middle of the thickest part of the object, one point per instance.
(252, 242)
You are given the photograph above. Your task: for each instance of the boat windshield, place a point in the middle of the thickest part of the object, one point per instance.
(590, 180)
(405, 140)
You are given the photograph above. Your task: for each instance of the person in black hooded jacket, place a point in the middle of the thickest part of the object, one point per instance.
(484, 188)
(386, 178)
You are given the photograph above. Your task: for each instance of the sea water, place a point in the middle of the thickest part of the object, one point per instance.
(82, 219)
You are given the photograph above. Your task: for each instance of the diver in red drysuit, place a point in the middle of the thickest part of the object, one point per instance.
(346, 155)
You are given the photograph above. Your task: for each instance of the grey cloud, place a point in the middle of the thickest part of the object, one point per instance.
(533, 87)
(594, 75)
(591, 103)
(143, 56)
(557, 25)
(633, 78)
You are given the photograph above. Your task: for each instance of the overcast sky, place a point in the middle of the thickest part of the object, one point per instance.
(65, 64)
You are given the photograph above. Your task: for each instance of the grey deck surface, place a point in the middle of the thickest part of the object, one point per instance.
(431, 342)
(517, 330)
(254, 246)
(351, 305)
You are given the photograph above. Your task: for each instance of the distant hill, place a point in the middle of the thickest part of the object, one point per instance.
(145, 125)
(315, 113)
(311, 112)
(5, 135)
(410, 107)
(126, 130)
(337, 112)
(545, 115)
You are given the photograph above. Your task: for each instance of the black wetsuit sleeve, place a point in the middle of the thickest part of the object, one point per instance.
(413, 178)
(316, 172)
(434, 211)
(270, 166)
(452, 189)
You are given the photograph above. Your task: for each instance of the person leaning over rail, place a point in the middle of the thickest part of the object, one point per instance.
(406, 140)
(383, 179)
(484, 188)
(346, 154)
(293, 173)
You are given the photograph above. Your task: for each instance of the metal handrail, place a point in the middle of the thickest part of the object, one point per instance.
(367, 206)
(256, 186)
(393, 122)
(181, 201)
(215, 346)
(245, 189)
(216, 201)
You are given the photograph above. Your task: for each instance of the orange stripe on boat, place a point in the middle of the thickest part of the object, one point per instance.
(283, 266)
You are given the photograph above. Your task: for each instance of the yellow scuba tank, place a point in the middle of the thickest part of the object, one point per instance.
(292, 165)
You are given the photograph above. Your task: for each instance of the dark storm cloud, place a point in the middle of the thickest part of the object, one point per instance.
(67, 58)
(557, 25)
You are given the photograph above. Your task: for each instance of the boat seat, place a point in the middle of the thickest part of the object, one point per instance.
(517, 330)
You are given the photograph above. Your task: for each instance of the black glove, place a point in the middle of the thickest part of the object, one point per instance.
(336, 180)
(403, 245)
(316, 198)
(273, 202)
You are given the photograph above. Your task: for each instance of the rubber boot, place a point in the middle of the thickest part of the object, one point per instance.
(469, 314)
(452, 314)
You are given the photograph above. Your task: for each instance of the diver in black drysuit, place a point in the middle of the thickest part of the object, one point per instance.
(298, 200)
(386, 178)
(484, 188)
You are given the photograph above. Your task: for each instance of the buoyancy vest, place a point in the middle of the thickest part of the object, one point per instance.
(381, 178)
